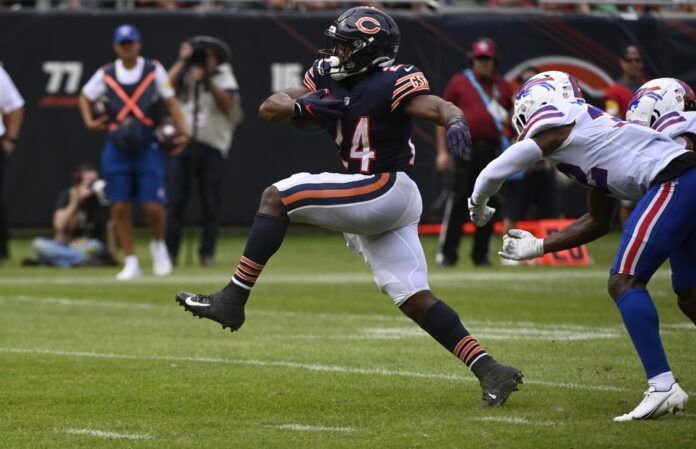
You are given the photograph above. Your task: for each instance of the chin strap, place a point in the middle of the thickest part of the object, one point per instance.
(337, 72)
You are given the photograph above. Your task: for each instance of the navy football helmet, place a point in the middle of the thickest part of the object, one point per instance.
(360, 39)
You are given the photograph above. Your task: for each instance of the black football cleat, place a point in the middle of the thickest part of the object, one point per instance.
(226, 306)
(497, 383)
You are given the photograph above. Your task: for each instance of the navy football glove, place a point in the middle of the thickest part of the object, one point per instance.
(459, 139)
(323, 112)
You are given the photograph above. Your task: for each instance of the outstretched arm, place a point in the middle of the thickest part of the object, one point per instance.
(281, 105)
(522, 245)
(591, 226)
(444, 113)
(516, 158)
(433, 109)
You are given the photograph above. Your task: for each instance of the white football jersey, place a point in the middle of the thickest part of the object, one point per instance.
(676, 123)
(603, 152)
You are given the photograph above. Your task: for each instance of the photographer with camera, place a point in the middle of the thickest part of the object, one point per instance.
(209, 93)
(132, 161)
(81, 225)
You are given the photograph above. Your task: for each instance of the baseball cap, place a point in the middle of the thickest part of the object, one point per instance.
(126, 32)
(483, 47)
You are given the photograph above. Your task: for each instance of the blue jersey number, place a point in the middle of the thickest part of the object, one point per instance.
(596, 113)
(599, 177)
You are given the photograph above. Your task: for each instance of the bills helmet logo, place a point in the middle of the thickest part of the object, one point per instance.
(527, 87)
(648, 92)
(368, 25)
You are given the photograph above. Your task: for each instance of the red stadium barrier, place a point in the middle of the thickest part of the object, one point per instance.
(540, 228)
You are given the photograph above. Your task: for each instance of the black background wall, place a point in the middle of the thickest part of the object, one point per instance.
(44, 54)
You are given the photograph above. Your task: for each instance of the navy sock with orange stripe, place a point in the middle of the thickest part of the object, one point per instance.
(444, 325)
(266, 236)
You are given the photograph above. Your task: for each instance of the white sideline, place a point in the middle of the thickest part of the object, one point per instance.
(304, 428)
(514, 420)
(107, 434)
(554, 275)
(78, 302)
(305, 366)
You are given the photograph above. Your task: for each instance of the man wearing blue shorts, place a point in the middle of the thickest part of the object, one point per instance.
(132, 162)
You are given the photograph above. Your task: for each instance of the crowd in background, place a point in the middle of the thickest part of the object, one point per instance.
(571, 6)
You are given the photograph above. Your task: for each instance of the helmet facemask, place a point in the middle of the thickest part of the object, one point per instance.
(348, 56)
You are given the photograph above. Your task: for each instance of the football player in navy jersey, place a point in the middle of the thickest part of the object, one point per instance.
(375, 203)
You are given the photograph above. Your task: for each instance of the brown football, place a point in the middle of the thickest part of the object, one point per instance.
(305, 123)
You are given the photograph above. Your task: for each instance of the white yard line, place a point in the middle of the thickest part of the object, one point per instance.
(513, 420)
(305, 366)
(484, 329)
(107, 434)
(554, 275)
(307, 428)
(78, 302)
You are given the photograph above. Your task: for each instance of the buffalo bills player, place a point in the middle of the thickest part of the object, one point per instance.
(616, 159)
(666, 105)
(375, 203)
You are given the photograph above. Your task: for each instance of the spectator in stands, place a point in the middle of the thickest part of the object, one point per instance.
(80, 224)
(208, 90)
(532, 194)
(132, 162)
(619, 94)
(11, 117)
(485, 98)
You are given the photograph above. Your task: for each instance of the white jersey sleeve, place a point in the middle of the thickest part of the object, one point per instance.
(95, 87)
(547, 117)
(675, 123)
(10, 99)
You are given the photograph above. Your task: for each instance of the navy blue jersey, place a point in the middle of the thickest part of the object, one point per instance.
(374, 135)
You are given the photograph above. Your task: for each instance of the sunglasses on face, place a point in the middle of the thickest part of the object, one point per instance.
(636, 60)
(483, 58)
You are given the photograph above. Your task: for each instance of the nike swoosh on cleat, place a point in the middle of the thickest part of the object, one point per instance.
(191, 302)
(493, 396)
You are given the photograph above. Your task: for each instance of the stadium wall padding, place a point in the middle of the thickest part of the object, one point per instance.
(51, 55)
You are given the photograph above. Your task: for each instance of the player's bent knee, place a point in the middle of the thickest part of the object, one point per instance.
(620, 283)
(271, 202)
(416, 306)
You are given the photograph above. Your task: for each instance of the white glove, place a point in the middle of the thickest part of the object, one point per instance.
(480, 213)
(521, 245)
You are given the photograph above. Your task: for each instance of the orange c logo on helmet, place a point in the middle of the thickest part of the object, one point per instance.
(374, 28)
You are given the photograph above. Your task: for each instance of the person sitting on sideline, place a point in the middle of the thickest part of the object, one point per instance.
(80, 224)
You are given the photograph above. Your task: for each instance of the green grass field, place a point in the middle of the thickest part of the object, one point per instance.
(324, 360)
